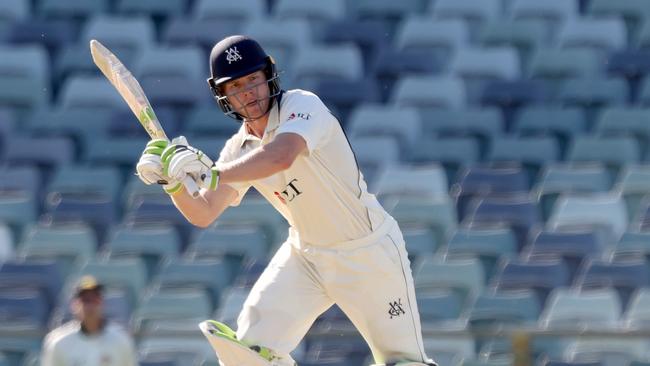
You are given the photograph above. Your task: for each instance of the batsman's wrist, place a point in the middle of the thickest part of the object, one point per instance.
(214, 178)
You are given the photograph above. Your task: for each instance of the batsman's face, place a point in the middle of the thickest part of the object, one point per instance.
(249, 95)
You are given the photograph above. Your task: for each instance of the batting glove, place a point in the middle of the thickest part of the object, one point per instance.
(181, 159)
(150, 167)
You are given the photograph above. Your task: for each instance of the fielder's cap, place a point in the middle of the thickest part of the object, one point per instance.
(87, 283)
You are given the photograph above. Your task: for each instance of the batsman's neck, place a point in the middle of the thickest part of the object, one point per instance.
(256, 127)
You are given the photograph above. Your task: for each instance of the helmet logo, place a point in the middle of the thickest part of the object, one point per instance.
(232, 55)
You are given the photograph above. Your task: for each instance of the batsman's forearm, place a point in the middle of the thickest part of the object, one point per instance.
(203, 210)
(259, 163)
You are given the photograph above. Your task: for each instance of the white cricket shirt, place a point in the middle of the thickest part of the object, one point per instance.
(323, 194)
(69, 346)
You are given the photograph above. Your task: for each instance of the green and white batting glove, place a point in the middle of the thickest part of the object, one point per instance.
(150, 167)
(181, 159)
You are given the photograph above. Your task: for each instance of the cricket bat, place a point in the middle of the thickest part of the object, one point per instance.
(132, 93)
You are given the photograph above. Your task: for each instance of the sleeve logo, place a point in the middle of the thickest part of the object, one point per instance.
(305, 116)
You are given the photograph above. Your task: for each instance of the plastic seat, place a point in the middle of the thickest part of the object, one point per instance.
(281, 39)
(429, 92)
(187, 62)
(628, 10)
(560, 179)
(124, 36)
(23, 309)
(233, 12)
(344, 351)
(519, 213)
(122, 123)
(30, 31)
(453, 153)
(238, 242)
(474, 13)
(51, 153)
(634, 184)
(437, 214)
(171, 305)
(641, 220)
(82, 124)
(524, 34)
(153, 244)
(204, 121)
(484, 181)
(612, 151)
(385, 9)
(572, 246)
(323, 62)
(612, 351)
(16, 10)
(187, 350)
(439, 306)
(211, 275)
(624, 122)
(555, 12)
(593, 93)
(80, 180)
(184, 32)
(316, 12)
(541, 276)
(631, 65)
(69, 245)
(147, 210)
(152, 7)
(374, 153)
(418, 182)
(377, 120)
(342, 95)
(598, 210)
(368, 35)
(71, 8)
(624, 277)
(232, 301)
(532, 152)
(463, 276)
(518, 308)
(43, 275)
(644, 93)
(450, 350)
(487, 244)
(162, 91)
(477, 66)
(94, 208)
(442, 37)
(509, 96)
(633, 244)
(643, 36)
(128, 274)
(89, 92)
(23, 68)
(600, 34)
(6, 243)
(556, 65)
(115, 151)
(420, 239)
(483, 124)
(637, 315)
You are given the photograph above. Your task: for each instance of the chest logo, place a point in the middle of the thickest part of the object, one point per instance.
(290, 192)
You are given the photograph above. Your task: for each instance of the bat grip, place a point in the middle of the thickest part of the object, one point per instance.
(190, 186)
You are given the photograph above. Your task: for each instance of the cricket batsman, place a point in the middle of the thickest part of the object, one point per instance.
(343, 248)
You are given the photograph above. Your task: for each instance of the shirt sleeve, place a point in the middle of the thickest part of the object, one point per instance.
(309, 118)
(50, 355)
(232, 151)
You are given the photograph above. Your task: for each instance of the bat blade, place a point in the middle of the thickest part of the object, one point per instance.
(128, 87)
(131, 91)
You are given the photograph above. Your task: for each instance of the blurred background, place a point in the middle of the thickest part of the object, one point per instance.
(510, 138)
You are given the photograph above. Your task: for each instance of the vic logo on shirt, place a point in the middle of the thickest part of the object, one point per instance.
(290, 192)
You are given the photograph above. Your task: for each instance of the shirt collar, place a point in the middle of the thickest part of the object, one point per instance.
(271, 125)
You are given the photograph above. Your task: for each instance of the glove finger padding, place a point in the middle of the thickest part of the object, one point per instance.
(149, 169)
(155, 146)
(181, 160)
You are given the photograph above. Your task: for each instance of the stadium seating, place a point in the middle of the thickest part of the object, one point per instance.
(509, 139)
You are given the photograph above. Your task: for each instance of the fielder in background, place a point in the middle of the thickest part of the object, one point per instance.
(343, 248)
(90, 339)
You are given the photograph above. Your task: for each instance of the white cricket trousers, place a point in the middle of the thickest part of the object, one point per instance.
(369, 279)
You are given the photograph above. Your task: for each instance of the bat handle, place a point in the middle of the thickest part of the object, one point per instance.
(191, 187)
